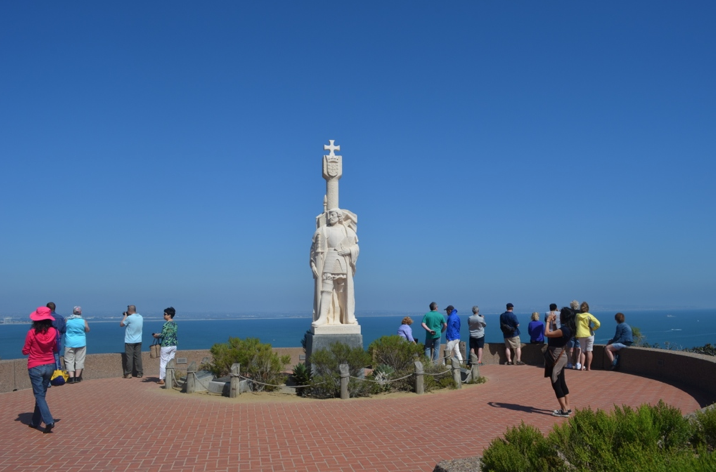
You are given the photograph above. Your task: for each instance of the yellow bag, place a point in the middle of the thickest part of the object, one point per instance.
(59, 377)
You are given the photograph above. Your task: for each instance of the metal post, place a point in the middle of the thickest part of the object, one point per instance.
(191, 378)
(169, 380)
(344, 381)
(456, 373)
(419, 380)
(235, 380)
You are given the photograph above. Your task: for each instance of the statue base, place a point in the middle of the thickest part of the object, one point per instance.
(314, 342)
(336, 329)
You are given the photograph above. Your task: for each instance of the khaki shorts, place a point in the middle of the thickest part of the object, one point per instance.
(513, 343)
(587, 343)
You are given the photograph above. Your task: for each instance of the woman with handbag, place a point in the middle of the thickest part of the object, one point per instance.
(168, 344)
(556, 358)
(40, 346)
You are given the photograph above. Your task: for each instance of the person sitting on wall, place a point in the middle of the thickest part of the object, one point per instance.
(622, 339)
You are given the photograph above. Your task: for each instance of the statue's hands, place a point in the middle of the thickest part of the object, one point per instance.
(344, 252)
(314, 270)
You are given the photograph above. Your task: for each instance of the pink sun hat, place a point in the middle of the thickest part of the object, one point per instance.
(42, 313)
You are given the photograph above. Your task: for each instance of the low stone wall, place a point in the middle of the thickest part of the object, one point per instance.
(695, 373)
(13, 373)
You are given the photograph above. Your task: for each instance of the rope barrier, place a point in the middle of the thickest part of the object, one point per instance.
(438, 374)
(382, 382)
(278, 386)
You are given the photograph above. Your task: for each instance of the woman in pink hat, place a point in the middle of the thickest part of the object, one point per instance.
(41, 345)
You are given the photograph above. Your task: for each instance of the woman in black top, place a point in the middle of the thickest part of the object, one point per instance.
(557, 341)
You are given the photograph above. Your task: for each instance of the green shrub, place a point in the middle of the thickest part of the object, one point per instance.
(326, 379)
(478, 380)
(382, 376)
(704, 428)
(436, 382)
(301, 376)
(395, 358)
(623, 440)
(648, 438)
(523, 448)
(395, 352)
(257, 361)
(707, 349)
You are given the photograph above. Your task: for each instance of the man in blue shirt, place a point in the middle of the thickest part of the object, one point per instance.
(511, 332)
(61, 326)
(622, 339)
(132, 322)
(452, 334)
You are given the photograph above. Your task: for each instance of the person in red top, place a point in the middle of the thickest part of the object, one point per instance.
(41, 345)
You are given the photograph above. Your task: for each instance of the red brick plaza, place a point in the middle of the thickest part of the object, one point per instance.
(133, 425)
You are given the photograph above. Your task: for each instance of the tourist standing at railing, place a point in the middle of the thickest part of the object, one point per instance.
(536, 329)
(476, 324)
(552, 311)
(76, 345)
(41, 346)
(511, 332)
(452, 334)
(132, 322)
(405, 331)
(169, 342)
(586, 325)
(556, 359)
(434, 325)
(60, 327)
(574, 350)
(622, 339)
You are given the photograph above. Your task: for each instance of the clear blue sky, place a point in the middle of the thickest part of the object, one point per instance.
(169, 153)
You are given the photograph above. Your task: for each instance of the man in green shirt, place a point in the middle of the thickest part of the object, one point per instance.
(434, 325)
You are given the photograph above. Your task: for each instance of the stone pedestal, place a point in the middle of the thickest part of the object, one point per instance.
(323, 337)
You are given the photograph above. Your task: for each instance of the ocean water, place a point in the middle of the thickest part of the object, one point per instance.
(679, 328)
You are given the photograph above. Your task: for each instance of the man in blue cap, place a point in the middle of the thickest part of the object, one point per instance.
(511, 331)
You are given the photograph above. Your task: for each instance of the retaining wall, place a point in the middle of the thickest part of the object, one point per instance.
(13, 373)
(693, 372)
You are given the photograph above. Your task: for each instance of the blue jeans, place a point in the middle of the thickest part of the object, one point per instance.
(40, 379)
(433, 344)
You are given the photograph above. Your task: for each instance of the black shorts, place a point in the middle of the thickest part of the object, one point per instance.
(477, 343)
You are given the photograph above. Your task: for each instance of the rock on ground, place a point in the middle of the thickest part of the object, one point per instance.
(470, 464)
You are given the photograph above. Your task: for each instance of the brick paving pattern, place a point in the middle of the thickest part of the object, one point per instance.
(133, 425)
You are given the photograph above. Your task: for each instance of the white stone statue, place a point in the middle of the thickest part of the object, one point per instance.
(334, 252)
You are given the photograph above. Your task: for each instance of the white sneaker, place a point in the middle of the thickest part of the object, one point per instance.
(579, 366)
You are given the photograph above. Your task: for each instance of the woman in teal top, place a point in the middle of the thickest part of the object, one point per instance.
(75, 345)
(168, 343)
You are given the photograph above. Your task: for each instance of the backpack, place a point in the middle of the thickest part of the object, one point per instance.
(571, 321)
(507, 329)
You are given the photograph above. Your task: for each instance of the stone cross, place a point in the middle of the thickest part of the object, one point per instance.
(331, 147)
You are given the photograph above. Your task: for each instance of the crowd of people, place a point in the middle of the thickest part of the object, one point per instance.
(569, 333)
(54, 338)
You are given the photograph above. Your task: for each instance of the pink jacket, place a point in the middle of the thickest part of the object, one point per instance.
(41, 347)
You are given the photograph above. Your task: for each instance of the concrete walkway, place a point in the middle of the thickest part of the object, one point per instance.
(134, 425)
